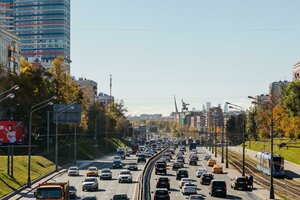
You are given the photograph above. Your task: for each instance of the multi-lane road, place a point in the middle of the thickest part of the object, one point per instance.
(176, 192)
(107, 188)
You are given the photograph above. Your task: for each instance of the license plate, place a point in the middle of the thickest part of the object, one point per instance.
(219, 190)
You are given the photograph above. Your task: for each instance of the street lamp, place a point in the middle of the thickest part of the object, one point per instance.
(33, 109)
(64, 109)
(95, 137)
(272, 195)
(9, 96)
(237, 107)
(15, 87)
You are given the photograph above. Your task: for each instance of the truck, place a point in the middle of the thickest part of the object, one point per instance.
(52, 190)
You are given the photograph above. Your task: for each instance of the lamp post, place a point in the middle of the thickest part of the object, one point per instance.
(10, 95)
(15, 87)
(62, 110)
(95, 137)
(237, 107)
(32, 110)
(227, 141)
(271, 105)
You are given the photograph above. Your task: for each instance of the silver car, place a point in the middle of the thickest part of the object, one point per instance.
(90, 183)
(73, 171)
(105, 174)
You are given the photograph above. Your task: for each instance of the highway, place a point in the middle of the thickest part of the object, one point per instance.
(107, 188)
(176, 193)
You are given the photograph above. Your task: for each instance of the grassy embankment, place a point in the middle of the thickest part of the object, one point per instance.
(41, 165)
(291, 154)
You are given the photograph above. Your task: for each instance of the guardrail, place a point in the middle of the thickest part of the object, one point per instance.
(144, 180)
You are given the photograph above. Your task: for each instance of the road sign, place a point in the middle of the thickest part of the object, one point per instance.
(67, 115)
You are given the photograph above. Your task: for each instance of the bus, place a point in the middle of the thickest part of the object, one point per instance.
(263, 163)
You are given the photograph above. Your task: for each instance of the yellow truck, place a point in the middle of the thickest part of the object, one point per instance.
(52, 190)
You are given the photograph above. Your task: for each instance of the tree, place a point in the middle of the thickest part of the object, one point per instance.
(251, 125)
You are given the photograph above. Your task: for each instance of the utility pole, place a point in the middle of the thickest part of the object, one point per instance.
(75, 142)
(222, 160)
(48, 130)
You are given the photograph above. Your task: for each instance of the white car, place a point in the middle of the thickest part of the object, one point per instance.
(90, 183)
(184, 181)
(207, 157)
(200, 171)
(73, 171)
(196, 197)
(125, 176)
(105, 174)
(189, 188)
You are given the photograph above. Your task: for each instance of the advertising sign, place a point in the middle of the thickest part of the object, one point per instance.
(11, 132)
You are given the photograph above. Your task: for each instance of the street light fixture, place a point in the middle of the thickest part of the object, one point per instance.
(32, 110)
(62, 110)
(272, 195)
(237, 107)
(15, 87)
(9, 96)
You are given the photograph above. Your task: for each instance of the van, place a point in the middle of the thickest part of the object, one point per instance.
(218, 188)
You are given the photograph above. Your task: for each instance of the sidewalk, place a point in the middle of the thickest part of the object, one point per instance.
(291, 169)
(22, 191)
(259, 191)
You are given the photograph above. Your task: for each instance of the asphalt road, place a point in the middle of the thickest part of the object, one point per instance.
(176, 192)
(107, 188)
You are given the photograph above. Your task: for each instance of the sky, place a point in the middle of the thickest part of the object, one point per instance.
(201, 51)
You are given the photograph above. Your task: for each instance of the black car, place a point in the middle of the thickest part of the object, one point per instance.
(218, 188)
(163, 182)
(182, 173)
(193, 161)
(120, 197)
(161, 194)
(239, 183)
(206, 178)
(141, 158)
(176, 166)
(72, 192)
(160, 168)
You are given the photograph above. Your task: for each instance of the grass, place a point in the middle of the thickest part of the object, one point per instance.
(291, 154)
(39, 166)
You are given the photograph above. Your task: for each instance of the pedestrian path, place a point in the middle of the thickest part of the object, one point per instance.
(291, 169)
(259, 191)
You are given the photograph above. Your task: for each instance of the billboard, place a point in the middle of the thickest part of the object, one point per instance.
(11, 132)
(67, 115)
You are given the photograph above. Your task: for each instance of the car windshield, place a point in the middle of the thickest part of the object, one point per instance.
(132, 164)
(163, 179)
(72, 188)
(125, 172)
(105, 171)
(120, 197)
(161, 192)
(89, 198)
(90, 180)
(73, 168)
(48, 193)
(92, 169)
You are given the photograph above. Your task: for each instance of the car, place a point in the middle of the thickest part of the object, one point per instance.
(185, 180)
(160, 168)
(239, 182)
(73, 171)
(176, 166)
(117, 158)
(218, 188)
(194, 155)
(180, 162)
(105, 174)
(196, 197)
(180, 158)
(90, 183)
(193, 161)
(141, 158)
(189, 188)
(163, 182)
(206, 178)
(72, 192)
(168, 155)
(132, 166)
(92, 171)
(120, 197)
(161, 194)
(148, 155)
(200, 171)
(125, 176)
(207, 157)
(167, 158)
(117, 163)
(211, 162)
(182, 173)
(93, 197)
(217, 169)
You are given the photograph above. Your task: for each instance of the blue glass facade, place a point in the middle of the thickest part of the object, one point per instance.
(43, 27)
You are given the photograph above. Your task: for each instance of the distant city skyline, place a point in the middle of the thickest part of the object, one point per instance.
(201, 51)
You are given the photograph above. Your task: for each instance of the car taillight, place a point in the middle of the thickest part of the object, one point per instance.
(225, 188)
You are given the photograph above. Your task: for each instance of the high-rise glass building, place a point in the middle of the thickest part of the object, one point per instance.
(43, 27)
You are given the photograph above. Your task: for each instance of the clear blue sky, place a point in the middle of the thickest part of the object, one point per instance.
(214, 50)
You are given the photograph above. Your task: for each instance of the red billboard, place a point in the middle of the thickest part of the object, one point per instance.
(11, 132)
